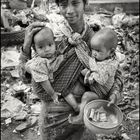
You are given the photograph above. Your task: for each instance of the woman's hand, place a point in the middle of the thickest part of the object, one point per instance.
(30, 31)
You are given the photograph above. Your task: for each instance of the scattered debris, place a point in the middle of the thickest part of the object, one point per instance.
(12, 105)
(36, 108)
(7, 121)
(28, 124)
(125, 136)
(20, 116)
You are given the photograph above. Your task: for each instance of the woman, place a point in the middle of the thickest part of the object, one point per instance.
(54, 119)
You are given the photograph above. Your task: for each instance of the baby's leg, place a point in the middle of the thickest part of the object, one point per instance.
(77, 91)
(87, 97)
(70, 99)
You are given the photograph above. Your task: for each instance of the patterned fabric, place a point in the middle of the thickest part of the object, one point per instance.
(42, 68)
(103, 72)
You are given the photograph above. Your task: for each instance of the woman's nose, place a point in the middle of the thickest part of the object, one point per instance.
(69, 9)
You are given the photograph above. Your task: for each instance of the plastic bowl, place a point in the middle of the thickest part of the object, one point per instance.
(106, 128)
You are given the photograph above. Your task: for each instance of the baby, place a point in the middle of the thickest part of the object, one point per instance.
(101, 68)
(45, 62)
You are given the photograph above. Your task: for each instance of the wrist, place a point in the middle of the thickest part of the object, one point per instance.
(26, 49)
(53, 94)
(114, 97)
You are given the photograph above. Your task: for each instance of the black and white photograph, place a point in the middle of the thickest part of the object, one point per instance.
(87, 54)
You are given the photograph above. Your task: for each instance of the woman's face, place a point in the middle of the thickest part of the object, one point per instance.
(72, 10)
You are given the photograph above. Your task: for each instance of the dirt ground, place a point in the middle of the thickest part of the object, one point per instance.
(130, 128)
(8, 134)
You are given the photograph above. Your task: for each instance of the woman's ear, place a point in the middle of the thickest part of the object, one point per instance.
(112, 52)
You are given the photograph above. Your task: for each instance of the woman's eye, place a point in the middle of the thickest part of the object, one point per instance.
(97, 51)
(50, 45)
(75, 3)
(40, 47)
(63, 4)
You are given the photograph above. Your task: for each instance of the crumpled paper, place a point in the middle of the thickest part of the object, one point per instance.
(9, 58)
(11, 106)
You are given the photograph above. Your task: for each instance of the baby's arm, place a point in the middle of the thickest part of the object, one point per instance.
(40, 73)
(49, 90)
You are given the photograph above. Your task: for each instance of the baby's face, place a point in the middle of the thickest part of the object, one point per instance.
(100, 53)
(45, 45)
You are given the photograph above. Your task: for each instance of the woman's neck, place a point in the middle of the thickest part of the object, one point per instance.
(78, 27)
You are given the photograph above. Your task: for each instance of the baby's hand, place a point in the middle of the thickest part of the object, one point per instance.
(86, 77)
(91, 79)
(113, 99)
(55, 97)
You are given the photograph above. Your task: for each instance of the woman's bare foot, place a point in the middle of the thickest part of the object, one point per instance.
(75, 119)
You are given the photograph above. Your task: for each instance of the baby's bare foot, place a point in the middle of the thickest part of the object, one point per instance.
(75, 119)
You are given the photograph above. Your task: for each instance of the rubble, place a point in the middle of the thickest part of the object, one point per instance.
(25, 125)
(11, 105)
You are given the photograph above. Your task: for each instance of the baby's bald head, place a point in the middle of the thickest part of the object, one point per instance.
(105, 37)
(44, 32)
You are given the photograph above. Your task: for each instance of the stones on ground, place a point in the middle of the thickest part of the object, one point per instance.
(28, 124)
(125, 136)
(7, 121)
(11, 106)
(20, 116)
(36, 108)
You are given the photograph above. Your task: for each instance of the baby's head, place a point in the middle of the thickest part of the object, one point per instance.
(43, 43)
(104, 43)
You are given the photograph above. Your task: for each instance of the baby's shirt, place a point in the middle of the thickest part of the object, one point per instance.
(103, 72)
(42, 69)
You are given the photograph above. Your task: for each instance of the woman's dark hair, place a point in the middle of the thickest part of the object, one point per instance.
(59, 1)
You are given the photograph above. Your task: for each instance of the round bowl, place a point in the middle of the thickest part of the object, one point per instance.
(107, 127)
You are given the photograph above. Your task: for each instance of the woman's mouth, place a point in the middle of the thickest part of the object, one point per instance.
(71, 18)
